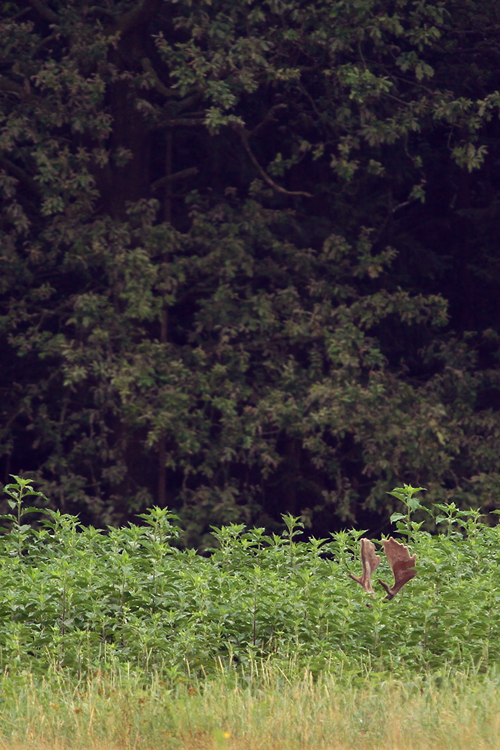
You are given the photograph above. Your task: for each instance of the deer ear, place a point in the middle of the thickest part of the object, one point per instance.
(370, 563)
(402, 564)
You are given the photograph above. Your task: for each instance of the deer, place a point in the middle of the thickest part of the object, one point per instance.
(402, 564)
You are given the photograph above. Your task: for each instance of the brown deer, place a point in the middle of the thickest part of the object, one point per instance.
(402, 564)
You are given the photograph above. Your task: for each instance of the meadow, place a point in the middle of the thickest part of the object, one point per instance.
(265, 709)
(120, 638)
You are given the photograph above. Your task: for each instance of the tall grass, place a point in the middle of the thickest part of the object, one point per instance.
(266, 709)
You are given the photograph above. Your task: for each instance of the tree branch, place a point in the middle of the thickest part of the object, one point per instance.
(159, 86)
(268, 118)
(141, 14)
(43, 43)
(97, 10)
(244, 139)
(21, 175)
(174, 122)
(44, 11)
(11, 86)
(187, 102)
(183, 174)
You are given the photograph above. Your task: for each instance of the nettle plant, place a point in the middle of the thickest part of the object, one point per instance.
(78, 598)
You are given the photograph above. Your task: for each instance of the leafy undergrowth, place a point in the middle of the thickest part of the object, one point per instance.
(75, 599)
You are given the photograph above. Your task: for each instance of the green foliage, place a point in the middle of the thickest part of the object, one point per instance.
(405, 495)
(77, 598)
(228, 241)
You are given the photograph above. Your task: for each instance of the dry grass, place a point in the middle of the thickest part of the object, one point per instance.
(269, 712)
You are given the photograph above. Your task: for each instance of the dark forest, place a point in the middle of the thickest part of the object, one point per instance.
(250, 257)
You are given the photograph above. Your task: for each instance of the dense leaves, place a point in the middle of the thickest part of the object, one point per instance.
(248, 256)
(75, 597)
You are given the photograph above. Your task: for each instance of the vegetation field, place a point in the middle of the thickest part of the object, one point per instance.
(249, 282)
(119, 638)
(266, 709)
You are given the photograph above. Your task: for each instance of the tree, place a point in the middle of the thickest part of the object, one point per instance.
(207, 293)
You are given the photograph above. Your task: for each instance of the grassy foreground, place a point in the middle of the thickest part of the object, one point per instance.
(119, 639)
(264, 710)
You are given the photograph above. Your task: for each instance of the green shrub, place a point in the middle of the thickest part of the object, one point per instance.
(79, 598)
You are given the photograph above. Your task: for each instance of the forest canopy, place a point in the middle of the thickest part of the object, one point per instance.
(249, 256)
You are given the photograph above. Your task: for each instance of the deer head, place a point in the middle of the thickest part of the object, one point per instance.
(402, 564)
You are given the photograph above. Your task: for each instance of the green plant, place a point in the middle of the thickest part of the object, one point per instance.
(406, 495)
(17, 491)
(77, 599)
